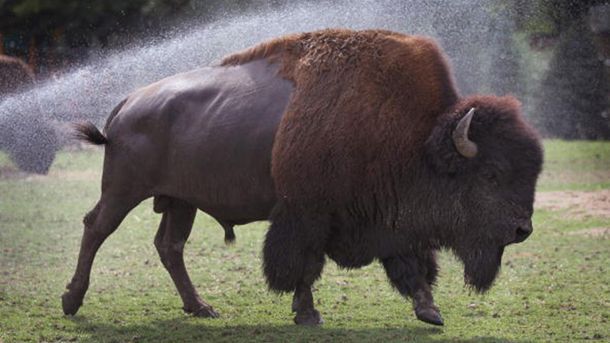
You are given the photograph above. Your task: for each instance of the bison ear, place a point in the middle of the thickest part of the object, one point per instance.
(449, 148)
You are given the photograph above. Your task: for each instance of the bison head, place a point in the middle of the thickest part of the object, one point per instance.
(488, 160)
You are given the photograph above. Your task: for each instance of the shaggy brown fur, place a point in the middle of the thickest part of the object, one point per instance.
(365, 166)
(347, 84)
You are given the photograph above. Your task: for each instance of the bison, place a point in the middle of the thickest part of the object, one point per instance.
(15, 75)
(354, 144)
(28, 138)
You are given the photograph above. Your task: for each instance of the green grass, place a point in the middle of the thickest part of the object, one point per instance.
(575, 166)
(553, 287)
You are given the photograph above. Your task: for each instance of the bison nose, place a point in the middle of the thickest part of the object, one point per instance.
(523, 231)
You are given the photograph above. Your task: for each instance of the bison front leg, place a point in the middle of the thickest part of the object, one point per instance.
(174, 230)
(302, 302)
(413, 277)
(293, 259)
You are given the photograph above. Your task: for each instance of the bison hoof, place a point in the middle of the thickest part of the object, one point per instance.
(203, 312)
(309, 318)
(70, 304)
(429, 315)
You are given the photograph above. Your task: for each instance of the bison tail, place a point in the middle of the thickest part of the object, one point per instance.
(88, 132)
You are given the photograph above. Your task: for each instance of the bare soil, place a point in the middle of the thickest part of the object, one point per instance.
(597, 232)
(576, 203)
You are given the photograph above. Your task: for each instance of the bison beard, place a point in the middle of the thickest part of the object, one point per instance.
(375, 158)
(481, 267)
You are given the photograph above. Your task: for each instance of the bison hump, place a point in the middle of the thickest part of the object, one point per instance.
(363, 105)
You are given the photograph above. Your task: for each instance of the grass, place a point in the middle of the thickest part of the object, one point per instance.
(576, 166)
(553, 287)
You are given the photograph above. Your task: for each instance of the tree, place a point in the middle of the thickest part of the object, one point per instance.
(574, 99)
(70, 24)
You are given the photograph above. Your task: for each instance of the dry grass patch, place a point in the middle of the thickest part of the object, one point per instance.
(597, 232)
(579, 204)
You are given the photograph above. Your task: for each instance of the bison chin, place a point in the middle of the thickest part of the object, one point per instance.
(481, 267)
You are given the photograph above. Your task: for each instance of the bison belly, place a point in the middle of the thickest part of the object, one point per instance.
(351, 247)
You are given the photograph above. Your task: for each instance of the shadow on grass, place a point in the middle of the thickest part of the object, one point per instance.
(188, 329)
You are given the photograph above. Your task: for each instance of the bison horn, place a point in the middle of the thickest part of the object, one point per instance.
(464, 146)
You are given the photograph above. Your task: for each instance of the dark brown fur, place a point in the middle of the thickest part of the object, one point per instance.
(355, 97)
(87, 132)
(365, 168)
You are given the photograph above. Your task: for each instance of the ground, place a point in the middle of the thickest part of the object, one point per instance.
(553, 287)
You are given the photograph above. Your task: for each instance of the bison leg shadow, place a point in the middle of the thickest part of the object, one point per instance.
(293, 258)
(413, 276)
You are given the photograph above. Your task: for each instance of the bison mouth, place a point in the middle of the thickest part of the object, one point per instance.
(481, 267)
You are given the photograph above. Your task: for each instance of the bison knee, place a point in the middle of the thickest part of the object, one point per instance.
(164, 253)
(91, 216)
(164, 257)
(169, 253)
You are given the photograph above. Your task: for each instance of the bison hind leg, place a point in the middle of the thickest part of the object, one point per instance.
(99, 223)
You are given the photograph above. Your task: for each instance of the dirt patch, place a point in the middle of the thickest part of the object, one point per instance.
(526, 255)
(10, 172)
(576, 203)
(598, 232)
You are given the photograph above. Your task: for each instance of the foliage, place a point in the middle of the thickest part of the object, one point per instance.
(574, 94)
(549, 16)
(574, 101)
(573, 165)
(552, 287)
(97, 17)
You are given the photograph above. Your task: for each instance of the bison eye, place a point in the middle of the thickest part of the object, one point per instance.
(492, 177)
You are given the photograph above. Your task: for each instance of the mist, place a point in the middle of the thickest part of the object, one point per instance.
(476, 38)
